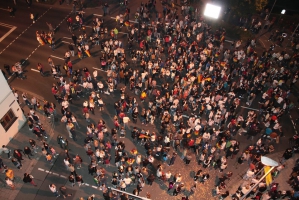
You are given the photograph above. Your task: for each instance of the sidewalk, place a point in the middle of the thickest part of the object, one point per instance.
(21, 140)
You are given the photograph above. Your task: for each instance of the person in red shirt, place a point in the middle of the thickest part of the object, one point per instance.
(55, 91)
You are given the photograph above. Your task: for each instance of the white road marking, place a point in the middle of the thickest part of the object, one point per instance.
(99, 69)
(62, 176)
(35, 70)
(66, 42)
(98, 15)
(6, 25)
(67, 38)
(250, 108)
(57, 57)
(4, 9)
(229, 41)
(23, 31)
(12, 28)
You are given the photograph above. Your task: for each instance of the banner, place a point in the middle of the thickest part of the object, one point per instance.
(269, 176)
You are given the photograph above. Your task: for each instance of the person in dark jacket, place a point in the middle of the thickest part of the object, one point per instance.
(286, 155)
(28, 152)
(28, 178)
(18, 155)
(151, 179)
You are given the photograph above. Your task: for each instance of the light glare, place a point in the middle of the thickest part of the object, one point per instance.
(212, 11)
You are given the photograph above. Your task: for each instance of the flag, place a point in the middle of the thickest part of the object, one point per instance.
(87, 53)
(269, 176)
(222, 64)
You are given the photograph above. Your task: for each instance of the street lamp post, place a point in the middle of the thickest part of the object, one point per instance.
(282, 13)
(138, 197)
(266, 161)
(290, 39)
(268, 17)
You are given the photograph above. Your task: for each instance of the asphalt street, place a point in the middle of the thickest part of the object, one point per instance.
(21, 45)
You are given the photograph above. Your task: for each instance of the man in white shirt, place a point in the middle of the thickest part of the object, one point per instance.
(127, 180)
(54, 190)
(126, 121)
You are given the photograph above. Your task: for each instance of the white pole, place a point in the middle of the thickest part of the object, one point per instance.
(271, 10)
(143, 198)
(244, 196)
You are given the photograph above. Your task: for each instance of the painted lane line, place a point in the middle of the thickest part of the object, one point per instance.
(67, 38)
(62, 176)
(4, 9)
(250, 108)
(98, 15)
(89, 26)
(6, 25)
(57, 57)
(66, 42)
(99, 69)
(35, 70)
(6, 34)
(24, 31)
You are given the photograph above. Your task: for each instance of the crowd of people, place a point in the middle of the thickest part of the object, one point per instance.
(177, 77)
(196, 108)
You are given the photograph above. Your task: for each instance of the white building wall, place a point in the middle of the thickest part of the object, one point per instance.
(7, 102)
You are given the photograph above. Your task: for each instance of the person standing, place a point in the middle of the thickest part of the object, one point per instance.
(11, 11)
(7, 68)
(28, 178)
(72, 51)
(74, 38)
(188, 158)
(28, 152)
(9, 173)
(64, 192)
(1, 163)
(72, 180)
(18, 155)
(53, 189)
(151, 179)
(32, 17)
(10, 183)
(40, 69)
(5, 150)
(51, 29)
(33, 145)
(34, 103)
(172, 159)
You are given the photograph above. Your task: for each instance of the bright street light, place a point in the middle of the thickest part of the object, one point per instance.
(212, 11)
(283, 11)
